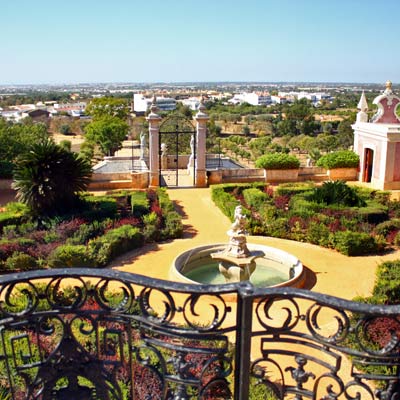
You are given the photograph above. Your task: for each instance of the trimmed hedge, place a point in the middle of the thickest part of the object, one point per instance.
(139, 204)
(254, 198)
(225, 201)
(278, 161)
(15, 214)
(114, 243)
(355, 243)
(339, 159)
(71, 256)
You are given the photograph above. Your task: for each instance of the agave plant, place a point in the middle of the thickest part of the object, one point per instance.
(48, 178)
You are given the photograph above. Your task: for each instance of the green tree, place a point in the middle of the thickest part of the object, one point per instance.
(107, 133)
(48, 178)
(15, 139)
(345, 134)
(246, 130)
(108, 107)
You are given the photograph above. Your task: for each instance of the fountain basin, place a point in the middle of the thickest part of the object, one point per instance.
(275, 268)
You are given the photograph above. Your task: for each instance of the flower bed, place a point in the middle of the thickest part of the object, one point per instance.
(104, 228)
(350, 220)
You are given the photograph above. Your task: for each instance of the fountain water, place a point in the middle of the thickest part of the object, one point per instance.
(238, 261)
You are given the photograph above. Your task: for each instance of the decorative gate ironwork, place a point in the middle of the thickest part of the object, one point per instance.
(105, 334)
(177, 138)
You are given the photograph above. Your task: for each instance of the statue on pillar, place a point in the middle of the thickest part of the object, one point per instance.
(191, 158)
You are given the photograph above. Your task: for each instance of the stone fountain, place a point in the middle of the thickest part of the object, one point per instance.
(218, 263)
(237, 262)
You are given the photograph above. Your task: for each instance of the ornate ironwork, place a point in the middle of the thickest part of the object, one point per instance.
(104, 334)
(177, 134)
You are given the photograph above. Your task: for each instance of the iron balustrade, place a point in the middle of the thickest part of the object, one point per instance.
(105, 334)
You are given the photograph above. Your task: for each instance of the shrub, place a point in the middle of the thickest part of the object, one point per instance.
(387, 284)
(6, 169)
(354, 243)
(373, 213)
(113, 243)
(337, 192)
(384, 228)
(151, 229)
(318, 233)
(70, 256)
(397, 239)
(225, 201)
(14, 214)
(88, 231)
(254, 198)
(20, 262)
(139, 204)
(99, 207)
(173, 227)
(278, 161)
(339, 159)
(289, 189)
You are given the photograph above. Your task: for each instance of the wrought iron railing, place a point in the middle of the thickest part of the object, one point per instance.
(105, 334)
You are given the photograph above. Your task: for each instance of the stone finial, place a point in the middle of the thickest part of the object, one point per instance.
(362, 115)
(153, 110)
(387, 104)
(201, 114)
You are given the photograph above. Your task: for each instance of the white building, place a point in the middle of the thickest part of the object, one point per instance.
(142, 104)
(192, 102)
(254, 99)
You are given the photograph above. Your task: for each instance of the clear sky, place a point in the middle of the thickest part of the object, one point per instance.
(74, 41)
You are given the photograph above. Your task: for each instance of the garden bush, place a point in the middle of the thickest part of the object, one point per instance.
(70, 256)
(384, 228)
(173, 227)
(355, 243)
(99, 207)
(151, 230)
(278, 161)
(339, 159)
(114, 243)
(338, 193)
(387, 284)
(225, 201)
(289, 188)
(255, 198)
(139, 203)
(20, 262)
(318, 233)
(373, 212)
(14, 214)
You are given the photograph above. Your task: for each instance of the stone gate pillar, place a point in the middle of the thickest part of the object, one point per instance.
(201, 118)
(154, 132)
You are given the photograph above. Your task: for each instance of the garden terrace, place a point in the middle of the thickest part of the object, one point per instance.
(104, 334)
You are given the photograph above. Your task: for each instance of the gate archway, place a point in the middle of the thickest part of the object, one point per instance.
(177, 151)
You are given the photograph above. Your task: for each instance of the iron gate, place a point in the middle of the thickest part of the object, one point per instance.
(177, 138)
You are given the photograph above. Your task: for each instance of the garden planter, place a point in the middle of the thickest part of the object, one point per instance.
(281, 175)
(343, 174)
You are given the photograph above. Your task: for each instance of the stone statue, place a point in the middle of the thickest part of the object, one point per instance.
(238, 226)
(164, 159)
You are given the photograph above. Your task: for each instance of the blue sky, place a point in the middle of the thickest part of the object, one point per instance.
(204, 40)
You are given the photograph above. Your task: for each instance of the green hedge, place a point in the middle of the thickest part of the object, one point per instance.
(139, 203)
(289, 189)
(114, 243)
(339, 159)
(15, 214)
(355, 243)
(278, 161)
(99, 207)
(71, 256)
(225, 201)
(254, 198)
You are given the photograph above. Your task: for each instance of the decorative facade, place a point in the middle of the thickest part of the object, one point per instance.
(377, 141)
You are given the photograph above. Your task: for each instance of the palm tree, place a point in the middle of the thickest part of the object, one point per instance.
(48, 178)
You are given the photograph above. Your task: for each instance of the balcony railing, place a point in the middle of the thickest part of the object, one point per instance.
(104, 334)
